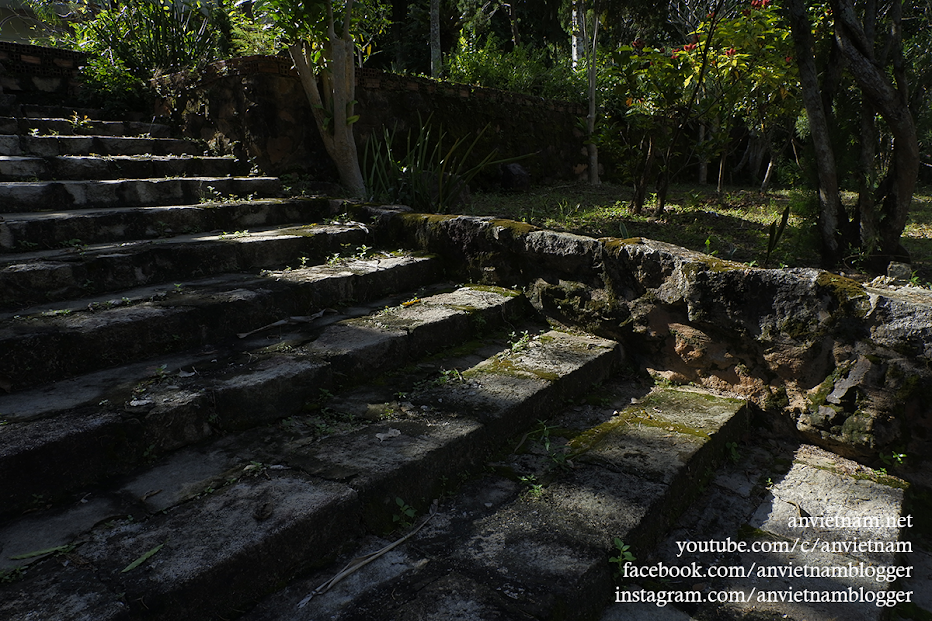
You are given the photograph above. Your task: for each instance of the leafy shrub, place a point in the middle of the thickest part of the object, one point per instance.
(254, 36)
(425, 175)
(110, 85)
(146, 35)
(523, 70)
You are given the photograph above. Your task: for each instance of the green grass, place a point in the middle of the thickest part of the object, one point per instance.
(733, 225)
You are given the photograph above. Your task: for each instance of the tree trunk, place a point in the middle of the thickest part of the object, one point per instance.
(829, 197)
(640, 188)
(436, 66)
(703, 159)
(891, 101)
(592, 40)
(574, 33)
(765, 184)
(332, 102)
(399, 14)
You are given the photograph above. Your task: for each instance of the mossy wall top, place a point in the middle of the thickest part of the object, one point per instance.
(257, 101)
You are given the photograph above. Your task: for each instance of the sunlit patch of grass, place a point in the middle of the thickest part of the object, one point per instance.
(917, 236)
(733, 225)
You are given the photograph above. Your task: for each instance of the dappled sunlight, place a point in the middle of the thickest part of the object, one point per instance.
(733, 225)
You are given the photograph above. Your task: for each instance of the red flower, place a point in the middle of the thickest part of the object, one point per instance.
(730, 51)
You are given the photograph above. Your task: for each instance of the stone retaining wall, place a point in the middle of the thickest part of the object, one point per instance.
(843, 366)
(256, 104)
(38, 74)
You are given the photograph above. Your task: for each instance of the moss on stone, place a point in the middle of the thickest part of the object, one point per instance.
(776, 400)
(591, 437)
(912, 387)
(710, 264)
(614, 244)
(660, 423)
(429, 218)
(817, 398)
(518, 228)
(882, 479)
(504, 366)
(509, 293)
(843, 289)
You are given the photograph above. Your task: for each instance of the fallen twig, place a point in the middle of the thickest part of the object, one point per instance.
(361, 561)
(285, 322)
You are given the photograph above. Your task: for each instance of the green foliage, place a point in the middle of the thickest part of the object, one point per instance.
(624, 555)
(522, 70)
(734, 71)
(775, 233)
(110, 85)
(252, 36)
(426, 177)
(405, 517)
(731, 449)
(291, 21)
(893, 459)
(147, 35)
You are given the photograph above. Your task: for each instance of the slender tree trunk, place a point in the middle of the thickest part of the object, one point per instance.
(592, 40)
(703, 159)
(829, 197)
(574, 32)
(721, 172)
(513, 18)
(663, 182)
(399, 14)
(640, 188)
(436, 66)
(332, 102)
(765, 184)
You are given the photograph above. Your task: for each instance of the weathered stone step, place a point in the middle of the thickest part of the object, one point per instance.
(37, 111)
(51, 195)
(81, 125)
(535, 543)
(83, 336)
(51, 146)
(80, 270)
(147, 410)
(766, 487)
(75, 167)
(20, 232)
(240, 538)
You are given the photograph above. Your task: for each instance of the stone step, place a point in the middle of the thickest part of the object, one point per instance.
(534, 540)
(77, 167)
(80, 270)
(294, 496)
(80, 124)
(88, 334)
(52, 146)
(37, 111)
(21, 232)
(223, 546)
(57, 195)
(766, 487)
(69, 440)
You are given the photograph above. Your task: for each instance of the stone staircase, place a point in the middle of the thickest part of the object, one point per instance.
(209, 408)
